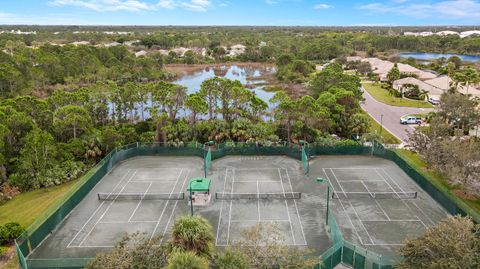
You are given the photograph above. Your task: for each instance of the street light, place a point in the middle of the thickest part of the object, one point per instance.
(321, 180)
(381, 124)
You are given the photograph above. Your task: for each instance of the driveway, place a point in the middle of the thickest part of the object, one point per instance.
(391, 115)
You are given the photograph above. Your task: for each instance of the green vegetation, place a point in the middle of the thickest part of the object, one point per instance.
(437, 179)
(33, 204)
(385, 136)
(191, 246)
(382, 95)
(453, 243)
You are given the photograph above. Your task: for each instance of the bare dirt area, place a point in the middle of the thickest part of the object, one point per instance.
(7, 257)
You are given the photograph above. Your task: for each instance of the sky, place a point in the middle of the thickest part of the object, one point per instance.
(238, 12)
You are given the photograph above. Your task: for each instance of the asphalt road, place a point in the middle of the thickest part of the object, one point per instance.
(391, 115)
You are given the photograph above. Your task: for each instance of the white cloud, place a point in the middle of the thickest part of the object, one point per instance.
(169, 4)
(134, 5)
(456, 9)
(197, 5)
(106, 5)
(322, 6)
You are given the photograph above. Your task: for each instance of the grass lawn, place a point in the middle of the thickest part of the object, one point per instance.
(25, 208)
(28, 206)
(388, 138)
(435, 178)
(382, 95)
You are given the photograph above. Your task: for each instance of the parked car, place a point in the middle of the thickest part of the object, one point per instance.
(434, 101)
(410, 120)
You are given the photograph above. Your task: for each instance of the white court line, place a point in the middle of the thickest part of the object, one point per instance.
(139, 203)
(296, 208)
(165, 206)
(123, 222)
(106, 210)
(393, 189)
(364, 180)
(230, 211)
(258, 203)
(260, 181)
(96, 210)
(345, 210)
(296, 245)
(381, 208)
(354, 210)
(174, 207)
(286, 206)
(404, 202)
(221, 207)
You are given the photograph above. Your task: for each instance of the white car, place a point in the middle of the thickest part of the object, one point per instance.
(434, 101)
(410, 120)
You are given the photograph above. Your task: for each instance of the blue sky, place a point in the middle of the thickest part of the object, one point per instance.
(236, 12)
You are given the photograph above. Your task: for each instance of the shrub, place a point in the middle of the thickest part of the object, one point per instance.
(192, 233)
(7, 192)
(10, 231)
(186, 260)
(231, 259)
(3, 251)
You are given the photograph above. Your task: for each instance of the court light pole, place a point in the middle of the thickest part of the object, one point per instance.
(321, 180)
(191, 200)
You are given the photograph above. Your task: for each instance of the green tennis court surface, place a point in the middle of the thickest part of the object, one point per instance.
(146, 194)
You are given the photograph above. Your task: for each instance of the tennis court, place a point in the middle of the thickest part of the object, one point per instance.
(376, 204)
(147, 194)
(371, 200)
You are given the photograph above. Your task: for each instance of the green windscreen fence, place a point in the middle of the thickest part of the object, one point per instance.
(208, 160)
(306, 166)
(41, 228)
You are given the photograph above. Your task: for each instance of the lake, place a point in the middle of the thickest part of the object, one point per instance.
(253, 76)
(425, 56)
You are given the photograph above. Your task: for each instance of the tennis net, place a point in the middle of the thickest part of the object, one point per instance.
(375, 195)
(253, 196)
(140, 196)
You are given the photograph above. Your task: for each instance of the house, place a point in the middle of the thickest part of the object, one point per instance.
(140, 53)
(237, 49)
(432, 90)
(382, 67)
(445, 82)
(446, 33)
(469, 33)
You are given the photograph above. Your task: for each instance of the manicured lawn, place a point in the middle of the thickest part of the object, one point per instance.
(28, 206)
(382, 95)
(388, 138)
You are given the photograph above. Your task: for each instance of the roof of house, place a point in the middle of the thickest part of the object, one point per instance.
(443, 82)
(397, 84)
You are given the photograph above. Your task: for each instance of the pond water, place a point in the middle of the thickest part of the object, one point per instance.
(252, 76)
(425, 56)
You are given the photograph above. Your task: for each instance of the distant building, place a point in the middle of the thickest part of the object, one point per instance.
(140, 53)
(432, 90)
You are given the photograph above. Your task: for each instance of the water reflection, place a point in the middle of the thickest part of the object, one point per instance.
(251, 76)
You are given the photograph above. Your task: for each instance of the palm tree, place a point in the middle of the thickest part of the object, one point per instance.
(193, 233)
(186, 260)
(422, 95)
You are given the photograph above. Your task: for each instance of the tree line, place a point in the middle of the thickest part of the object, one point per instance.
(48, 141)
